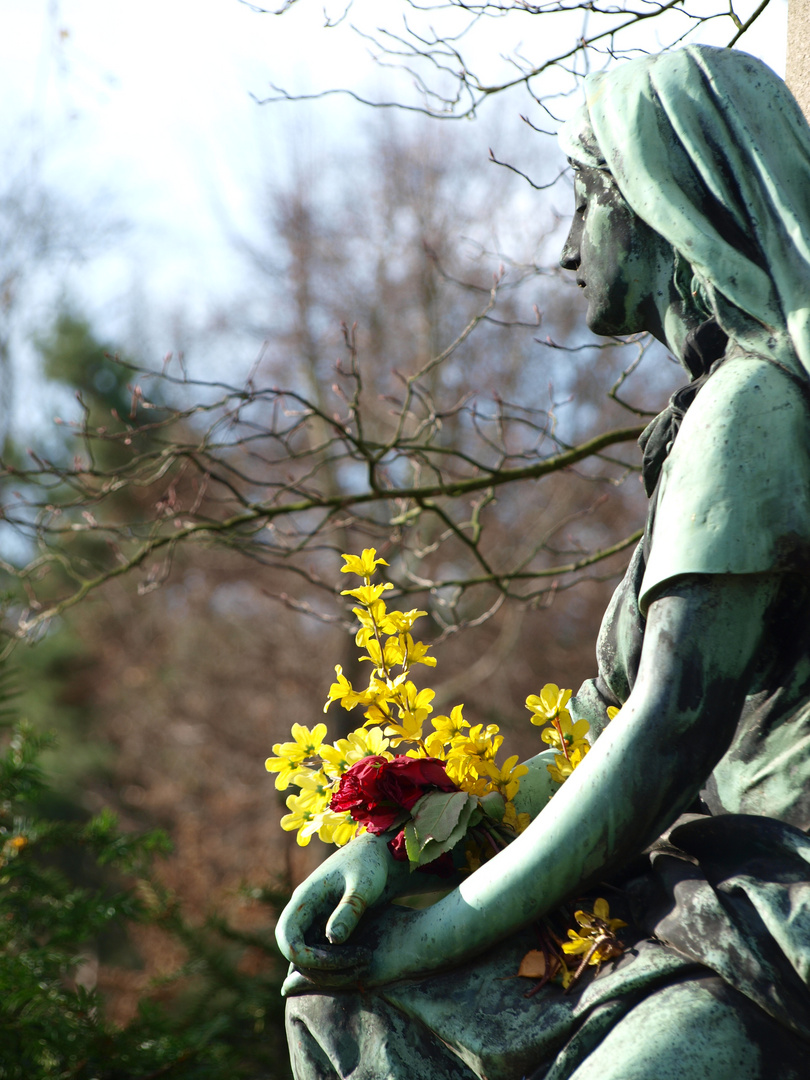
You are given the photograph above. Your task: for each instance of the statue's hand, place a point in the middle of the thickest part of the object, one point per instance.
(391, 946)
(325, 909)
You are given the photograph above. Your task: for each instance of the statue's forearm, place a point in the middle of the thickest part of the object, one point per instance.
(643, 771)
(536, 787)
(591, 822)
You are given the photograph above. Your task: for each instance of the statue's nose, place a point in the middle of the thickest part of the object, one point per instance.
(570, 255)
(569, 259)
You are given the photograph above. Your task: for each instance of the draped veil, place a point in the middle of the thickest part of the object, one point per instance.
(709, 147)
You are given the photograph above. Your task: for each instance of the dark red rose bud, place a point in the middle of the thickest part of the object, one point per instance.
(397, 847)
(377, 792)
(405, 780)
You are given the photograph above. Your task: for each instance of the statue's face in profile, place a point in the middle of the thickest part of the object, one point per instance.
(622, 265)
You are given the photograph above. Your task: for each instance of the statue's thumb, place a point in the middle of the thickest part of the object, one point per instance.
(345, 918)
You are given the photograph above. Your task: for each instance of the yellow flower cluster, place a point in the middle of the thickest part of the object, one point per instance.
(563, 734)
(316, 767)
(396, 713)
(596, 938)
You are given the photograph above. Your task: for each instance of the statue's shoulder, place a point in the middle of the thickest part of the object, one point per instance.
(747, 398)
(721, 506)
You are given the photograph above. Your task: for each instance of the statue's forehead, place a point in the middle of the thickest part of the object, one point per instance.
(578, 142)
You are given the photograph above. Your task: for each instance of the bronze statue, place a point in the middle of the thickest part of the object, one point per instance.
(690, 813)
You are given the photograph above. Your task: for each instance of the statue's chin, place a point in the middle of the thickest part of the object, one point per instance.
(602, 323)
(612, 319)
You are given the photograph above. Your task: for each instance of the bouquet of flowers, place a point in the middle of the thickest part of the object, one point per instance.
(443, 785)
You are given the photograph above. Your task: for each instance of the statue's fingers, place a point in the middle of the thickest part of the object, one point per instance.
(310, 982)
(344, 919)
(290, 931)
(297, 983)
(318, 968)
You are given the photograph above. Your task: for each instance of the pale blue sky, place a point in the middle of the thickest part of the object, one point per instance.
(149, 103)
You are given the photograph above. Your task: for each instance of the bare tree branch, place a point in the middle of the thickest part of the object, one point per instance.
(438, 61)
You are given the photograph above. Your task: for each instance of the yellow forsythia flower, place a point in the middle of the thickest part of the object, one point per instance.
(570, 734)
(549, 704)
(414, 652)
(595, 929)
(480, 741)
(564, 766)
(343, 691)
(291, 756)
(368, 594)
(516, 821)
(449, 727)
(506, 779)
(401, 622)
(369, 742)
(363, 565)
(303, 809)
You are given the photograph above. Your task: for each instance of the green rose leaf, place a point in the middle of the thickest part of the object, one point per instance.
(436, 814)
(434, 848)
(493, 805)
(412, 846)
(440, 820)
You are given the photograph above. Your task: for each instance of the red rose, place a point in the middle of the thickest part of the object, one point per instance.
(358, 793)
(405, 780)
(378, 793)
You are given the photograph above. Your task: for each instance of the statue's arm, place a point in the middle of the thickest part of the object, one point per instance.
(536, 787)
(701, 641)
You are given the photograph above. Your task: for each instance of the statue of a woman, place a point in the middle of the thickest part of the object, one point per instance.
(692, 221)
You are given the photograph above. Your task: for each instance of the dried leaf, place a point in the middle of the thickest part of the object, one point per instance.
(533, 965)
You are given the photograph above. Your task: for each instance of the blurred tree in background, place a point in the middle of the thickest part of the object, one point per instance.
(448, 58)
(423, 384)
(60, 896)
(166, 698)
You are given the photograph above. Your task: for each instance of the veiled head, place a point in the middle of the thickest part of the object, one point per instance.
(709, 149)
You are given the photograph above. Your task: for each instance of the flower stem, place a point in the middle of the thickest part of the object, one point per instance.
(558, 729)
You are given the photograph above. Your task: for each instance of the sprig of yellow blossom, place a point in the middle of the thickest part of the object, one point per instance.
(595, 941)
(396, 713)
(563, 734)
(567, 736)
